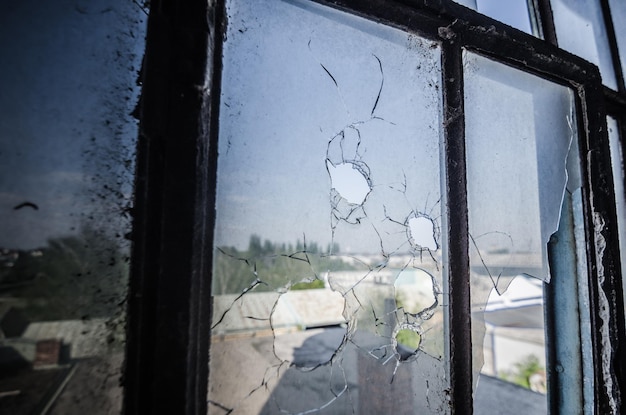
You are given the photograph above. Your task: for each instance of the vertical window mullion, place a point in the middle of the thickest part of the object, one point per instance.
(544, 10)
(459, 309)
(604, 283)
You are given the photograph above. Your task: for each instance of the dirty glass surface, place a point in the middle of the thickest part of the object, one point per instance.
(67, 139)
(580, 29)
(328, 262)
(519, 133)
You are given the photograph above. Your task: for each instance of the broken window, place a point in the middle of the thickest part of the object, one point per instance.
(67, 149)
(522, 173)
(341, 260)
(329, 254)
(336, 167)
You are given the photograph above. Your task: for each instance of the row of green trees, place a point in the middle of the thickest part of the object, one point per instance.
(257, 247)
(85, 276)
(72, 277)
(268, 266)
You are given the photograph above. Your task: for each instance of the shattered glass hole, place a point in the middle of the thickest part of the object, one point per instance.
(350, 181)
(406, 341)
(415, 291)
(421, 232)
(308, 325)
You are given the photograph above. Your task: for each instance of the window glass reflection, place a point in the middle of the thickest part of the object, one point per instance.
(67, 144)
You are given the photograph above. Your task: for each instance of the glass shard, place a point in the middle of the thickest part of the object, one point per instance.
(517, 155)
(520, 169)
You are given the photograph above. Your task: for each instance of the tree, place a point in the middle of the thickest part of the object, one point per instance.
(72, 277)
(524, 370)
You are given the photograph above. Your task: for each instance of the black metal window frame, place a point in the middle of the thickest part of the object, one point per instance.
(169, 296)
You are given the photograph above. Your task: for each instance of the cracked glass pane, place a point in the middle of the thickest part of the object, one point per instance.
(519, 131)
(67, 150)
(580, 29)
(328, 263)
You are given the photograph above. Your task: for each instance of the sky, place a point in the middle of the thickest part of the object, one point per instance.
(66, 132)
(293, 103)
(276, 134)
(511, 12)
(303, 84)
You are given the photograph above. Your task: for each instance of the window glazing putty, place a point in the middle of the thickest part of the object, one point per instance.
(329, 254)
